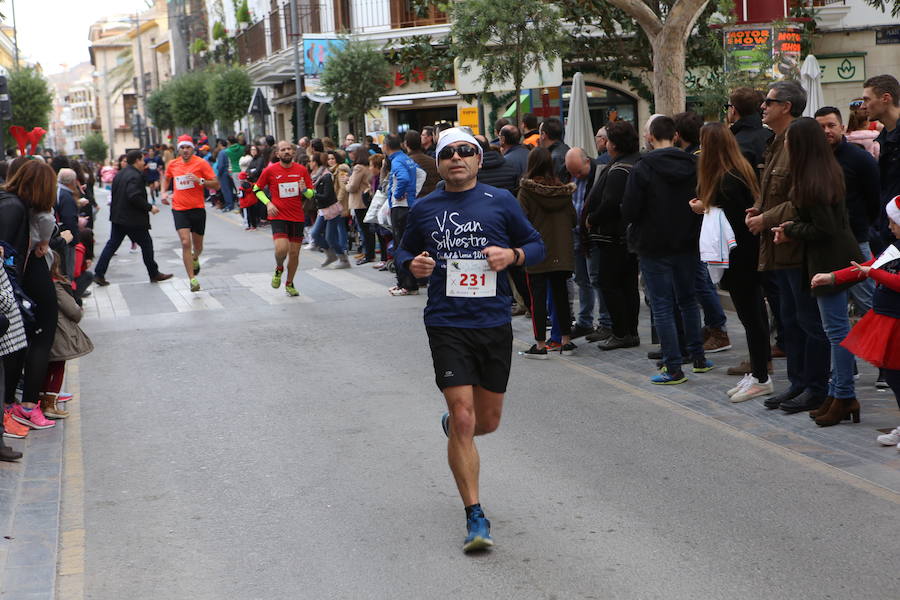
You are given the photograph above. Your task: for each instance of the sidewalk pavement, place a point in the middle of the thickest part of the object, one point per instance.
(40, 504)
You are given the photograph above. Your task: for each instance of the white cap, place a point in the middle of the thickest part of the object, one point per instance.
(453, 135)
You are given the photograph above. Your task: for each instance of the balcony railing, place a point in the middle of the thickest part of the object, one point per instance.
(275, 32)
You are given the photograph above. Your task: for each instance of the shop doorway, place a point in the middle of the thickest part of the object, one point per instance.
(605, 104)
(417, 118)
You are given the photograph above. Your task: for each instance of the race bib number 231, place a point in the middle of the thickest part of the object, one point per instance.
(470, 279)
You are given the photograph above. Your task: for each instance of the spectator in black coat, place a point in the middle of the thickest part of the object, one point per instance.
(513, 151)
(552, 139)
(613, 267)
(129, 213)
(495, 170)
(747, 127)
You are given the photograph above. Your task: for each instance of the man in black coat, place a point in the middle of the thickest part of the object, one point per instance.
(552, 139)
(129, 213)
(747, 127)
(513, 151)
(495, 170)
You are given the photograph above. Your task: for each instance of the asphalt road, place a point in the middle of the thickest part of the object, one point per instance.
(240, 446)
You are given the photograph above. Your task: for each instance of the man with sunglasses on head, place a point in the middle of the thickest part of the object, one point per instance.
(461, 237)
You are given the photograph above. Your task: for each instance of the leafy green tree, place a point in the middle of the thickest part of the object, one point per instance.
(159, 107)
(30, 97)
(230, 92)
(189, 100)
(355, 76)
(507, 38)
(94, 148)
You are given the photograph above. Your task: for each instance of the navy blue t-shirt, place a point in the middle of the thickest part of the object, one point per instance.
(459, 225)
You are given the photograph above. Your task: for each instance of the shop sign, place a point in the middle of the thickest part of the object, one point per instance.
(888, 35)
(839, 69)
(749, 48)
(468, 117)
(467, 81)
(787, 52)
(763, 48)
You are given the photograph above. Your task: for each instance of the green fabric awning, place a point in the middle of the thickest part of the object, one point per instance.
(524, 106)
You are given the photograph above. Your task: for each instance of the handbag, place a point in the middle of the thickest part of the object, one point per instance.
(332, 211)
(378, 200)
(384, 215)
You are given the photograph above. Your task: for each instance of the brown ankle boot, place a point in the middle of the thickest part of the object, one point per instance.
(822, 410)
(50, 409)
(840, 409)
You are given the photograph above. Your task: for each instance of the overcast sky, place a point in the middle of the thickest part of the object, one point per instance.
(55, 32)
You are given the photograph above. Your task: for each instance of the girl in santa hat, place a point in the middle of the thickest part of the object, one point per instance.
(876, 338)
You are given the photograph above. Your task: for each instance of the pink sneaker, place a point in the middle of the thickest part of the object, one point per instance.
(34, 418)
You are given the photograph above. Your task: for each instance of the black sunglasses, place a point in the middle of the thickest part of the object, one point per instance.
(769, 101)
(856, 104)
(464, 151)
(727, 106)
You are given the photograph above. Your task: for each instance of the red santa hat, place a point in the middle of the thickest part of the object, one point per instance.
(185, 140)
(893, 210)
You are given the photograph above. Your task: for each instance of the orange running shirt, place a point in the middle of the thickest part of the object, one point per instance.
(187, 194)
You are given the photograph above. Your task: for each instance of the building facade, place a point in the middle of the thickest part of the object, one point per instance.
(265, 48)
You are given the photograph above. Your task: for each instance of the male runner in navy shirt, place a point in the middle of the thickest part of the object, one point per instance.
(462, 237)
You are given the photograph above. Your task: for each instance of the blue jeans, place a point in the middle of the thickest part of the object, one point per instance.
(317, 233)
(708, 295)
(589, 295)
(670, 282)
(336, 234)
(833, 309)
(861, 293)
(805, 344)
(227, 192)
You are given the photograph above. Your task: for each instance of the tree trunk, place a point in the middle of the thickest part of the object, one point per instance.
(668, 41)
(668, 74)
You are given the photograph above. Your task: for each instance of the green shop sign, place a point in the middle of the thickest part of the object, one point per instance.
(840, 68)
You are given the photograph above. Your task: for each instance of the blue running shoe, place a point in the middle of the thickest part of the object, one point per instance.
(666, 378)
(445, 423)
(479, 537)
(702, 365)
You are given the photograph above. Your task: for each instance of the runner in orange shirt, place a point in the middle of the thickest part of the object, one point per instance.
(189, 174)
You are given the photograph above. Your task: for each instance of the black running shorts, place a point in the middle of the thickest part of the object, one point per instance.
(471, 356)
(192, 218)
(290, 230)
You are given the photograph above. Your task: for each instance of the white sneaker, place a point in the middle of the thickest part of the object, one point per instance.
(744, 382)
(890, 439)
(754, 390)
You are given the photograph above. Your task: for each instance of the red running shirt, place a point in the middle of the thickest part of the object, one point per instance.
(284, 189)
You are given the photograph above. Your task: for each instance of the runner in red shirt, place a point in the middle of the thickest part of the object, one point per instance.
(288, 183)
(189, 175)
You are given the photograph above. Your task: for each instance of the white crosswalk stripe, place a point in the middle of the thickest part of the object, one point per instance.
(106, 302)
(109, 302)
(179, 292)
(261, 285)
(349, 282)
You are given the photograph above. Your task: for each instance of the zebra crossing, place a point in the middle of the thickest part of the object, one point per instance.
(117, 301)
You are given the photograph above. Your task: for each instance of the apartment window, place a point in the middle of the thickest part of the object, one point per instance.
(342, 15)
(129, 101)
(403, 14)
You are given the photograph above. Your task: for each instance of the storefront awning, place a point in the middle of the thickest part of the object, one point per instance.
(444, 94)
(524, 106)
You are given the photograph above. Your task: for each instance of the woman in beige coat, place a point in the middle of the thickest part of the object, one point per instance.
(358, 187)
